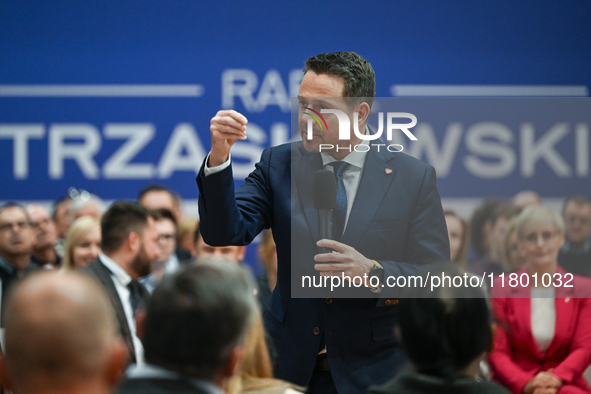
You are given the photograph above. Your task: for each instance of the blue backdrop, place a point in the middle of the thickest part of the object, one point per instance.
(248, 56)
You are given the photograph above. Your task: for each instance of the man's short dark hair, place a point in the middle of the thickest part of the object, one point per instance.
(59, 202)
(356, 73)
(119, 221)
(578, 199)
(504, 210)
(197, 316)
(163, 213)
(445, 330)
(479, 218)
(154, 187)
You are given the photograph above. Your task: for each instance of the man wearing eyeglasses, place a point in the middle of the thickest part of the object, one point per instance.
(16, 244)
(168, 262)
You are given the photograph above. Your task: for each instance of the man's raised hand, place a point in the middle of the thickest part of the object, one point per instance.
(226, 127)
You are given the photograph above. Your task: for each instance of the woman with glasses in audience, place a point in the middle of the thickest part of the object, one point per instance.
(83, 242)
(543, 337)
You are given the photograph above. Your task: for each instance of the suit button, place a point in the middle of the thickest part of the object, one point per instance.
(391, 302)
(316, 330)
(328, 301)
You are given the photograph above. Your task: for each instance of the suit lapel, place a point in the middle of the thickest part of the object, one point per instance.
(375, 181)
(304, 165)
(104, 275)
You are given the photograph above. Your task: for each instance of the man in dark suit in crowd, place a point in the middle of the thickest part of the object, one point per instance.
(390, 221)
(61, 337)
(194, 327)
(575, 254)
(16, 246)
(130, 244)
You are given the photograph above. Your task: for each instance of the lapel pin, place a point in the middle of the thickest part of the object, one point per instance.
(388, 171)
(566, 300)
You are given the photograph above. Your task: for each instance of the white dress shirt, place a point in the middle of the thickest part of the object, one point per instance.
(121, 279)
(543, 316)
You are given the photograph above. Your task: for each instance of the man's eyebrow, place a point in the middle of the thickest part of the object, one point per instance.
(317, 100)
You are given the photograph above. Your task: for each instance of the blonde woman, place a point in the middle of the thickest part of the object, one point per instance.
(256, 373)
(83, 242)
(543, 340)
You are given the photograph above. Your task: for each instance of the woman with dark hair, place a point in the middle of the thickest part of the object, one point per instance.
(445, 337)
(457, 230)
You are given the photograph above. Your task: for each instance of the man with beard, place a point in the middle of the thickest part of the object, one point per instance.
(130, 244)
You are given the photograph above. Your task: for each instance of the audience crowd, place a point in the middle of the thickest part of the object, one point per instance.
(135, 284)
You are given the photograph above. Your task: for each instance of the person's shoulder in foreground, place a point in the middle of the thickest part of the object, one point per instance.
(417, 383)
(194, 330)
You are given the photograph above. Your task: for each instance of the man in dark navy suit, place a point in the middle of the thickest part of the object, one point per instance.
(390, 222)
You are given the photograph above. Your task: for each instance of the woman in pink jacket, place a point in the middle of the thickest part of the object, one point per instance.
(543, 337)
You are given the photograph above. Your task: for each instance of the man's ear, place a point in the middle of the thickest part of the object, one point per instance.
(133, 242)
(363, 111)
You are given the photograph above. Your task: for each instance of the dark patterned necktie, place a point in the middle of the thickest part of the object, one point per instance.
(340, 210)
(134, 296)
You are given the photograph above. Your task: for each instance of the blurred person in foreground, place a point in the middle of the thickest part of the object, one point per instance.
(16, 245)
(575, 254)
(445, 333)
(44, 252)
(194, 330)
(255, 374)
(83, 243)
(61, 337)
(457, 231)
(543, 340)
(130, 244)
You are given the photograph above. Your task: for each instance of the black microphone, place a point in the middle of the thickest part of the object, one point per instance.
(324, 192)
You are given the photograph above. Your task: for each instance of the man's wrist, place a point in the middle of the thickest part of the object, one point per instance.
(377, 271)
(216, 159)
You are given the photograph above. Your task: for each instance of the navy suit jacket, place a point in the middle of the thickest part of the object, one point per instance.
(396, 219)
